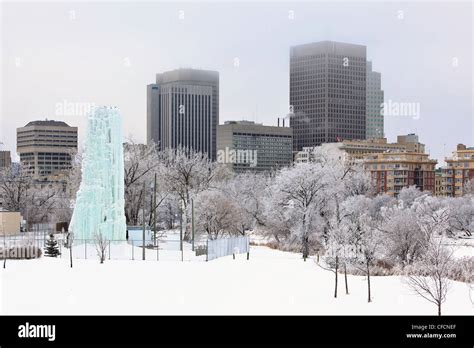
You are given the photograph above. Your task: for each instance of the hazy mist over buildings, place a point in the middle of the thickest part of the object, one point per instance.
(108, 52)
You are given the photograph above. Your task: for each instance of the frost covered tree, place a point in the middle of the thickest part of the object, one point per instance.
(299, 192)
(348, 177)
(408, 195)
(432, 216)
(332, 259)
(368, 249)
(339, 242)
(461, 216)
(405, 240)
(468, 188)
(349, 228)
(429, 276)
(248, 192)
(140, 164)
(278, 220)
(187, 173)
(216, 214)
(168, 211)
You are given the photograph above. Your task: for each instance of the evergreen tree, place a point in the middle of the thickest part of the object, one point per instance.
(52, 249)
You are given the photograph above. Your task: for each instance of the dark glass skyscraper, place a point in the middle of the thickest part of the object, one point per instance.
(327, 93)
(183, 110)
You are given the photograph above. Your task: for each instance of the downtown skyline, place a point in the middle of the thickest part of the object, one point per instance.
(254, 72)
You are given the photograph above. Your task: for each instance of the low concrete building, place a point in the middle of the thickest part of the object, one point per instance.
(10, 222)
(46, 147)
(246, 145)
(358, 149)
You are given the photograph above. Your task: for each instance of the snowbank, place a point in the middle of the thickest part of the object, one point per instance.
(271, 282)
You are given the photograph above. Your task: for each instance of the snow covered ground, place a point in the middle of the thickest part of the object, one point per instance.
(461, 247)
(271, 282)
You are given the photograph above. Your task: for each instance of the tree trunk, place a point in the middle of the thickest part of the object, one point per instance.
(335, 272)
(368, 281)
(186, 219)
(4, 250)
(70, 253)
(305, 239)
(439, 308)
(345, 279)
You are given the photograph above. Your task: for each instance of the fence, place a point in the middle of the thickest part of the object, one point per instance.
(167, 248)
(162, 250)
(227, 246)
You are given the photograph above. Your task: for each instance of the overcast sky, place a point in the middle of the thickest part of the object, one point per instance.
(107, 52)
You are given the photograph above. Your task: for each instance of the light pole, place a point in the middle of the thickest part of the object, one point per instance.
(154, 211)
(181, 231)
(143, 217)
(192, 221)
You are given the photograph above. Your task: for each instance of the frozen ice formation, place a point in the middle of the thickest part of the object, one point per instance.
(100, 200)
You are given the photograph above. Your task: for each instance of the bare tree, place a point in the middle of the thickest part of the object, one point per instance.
(471, 292)
(301, 190)
(429, 277)
(4, 249)
(248, 190)
(69, 243)
(217, 214)
(36, 200)
(368, 248)
(168, 211)
(404, 239)
(332, 262)
(461, 216)
(140, 164)
(186, 173)
(15, 182)
(101, 244)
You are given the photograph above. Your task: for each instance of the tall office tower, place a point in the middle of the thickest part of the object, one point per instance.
(374, 101)
(327, 93)
(183, 110)
(46, 147)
